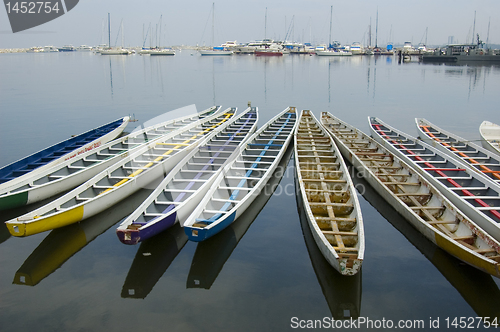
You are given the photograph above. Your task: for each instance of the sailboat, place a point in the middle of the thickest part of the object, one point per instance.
(161, 51)
(332, 51)
(216, 50)
(116, 50)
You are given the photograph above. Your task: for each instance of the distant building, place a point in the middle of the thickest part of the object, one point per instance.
(451, 40)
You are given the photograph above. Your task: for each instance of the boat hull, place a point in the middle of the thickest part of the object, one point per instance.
(215, 53)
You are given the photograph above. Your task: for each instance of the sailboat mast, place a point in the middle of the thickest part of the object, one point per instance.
(330, 38)
(109, 32)
(488, 35)
(159, 39)
(370, 33)
(265, 25)
(376, 31)
(213, 20)
(474, 28)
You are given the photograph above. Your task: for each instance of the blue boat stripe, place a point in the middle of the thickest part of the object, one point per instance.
(263, 144)
(248, 173)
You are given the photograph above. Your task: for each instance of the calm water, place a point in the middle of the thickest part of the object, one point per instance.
(262, 271)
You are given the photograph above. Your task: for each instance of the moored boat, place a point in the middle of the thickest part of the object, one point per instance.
(161, 51)
(472, 155)
(477, 196)
(211, 255)
(145, 165)
(417, 200)
(67, 48)
(86, 164)
(333, 52)
(243, 179)
(330, 200)
(217, 50)
(268, 52)
(342, 293)
(490, 136)
(115, 51)
(58, 153)
(183, 188)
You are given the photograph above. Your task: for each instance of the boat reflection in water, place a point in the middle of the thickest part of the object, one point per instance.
(477, 288)
(212, 254)
(62, 243)
(152, 259)
(342, 293)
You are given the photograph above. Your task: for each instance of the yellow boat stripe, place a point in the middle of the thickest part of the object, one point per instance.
(173, 144)
(177, 146)
(40, 224)
(491, 268)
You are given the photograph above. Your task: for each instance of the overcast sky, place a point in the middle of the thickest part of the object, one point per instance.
(189, 22)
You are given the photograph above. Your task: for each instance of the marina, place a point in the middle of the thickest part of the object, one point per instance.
(265, 267)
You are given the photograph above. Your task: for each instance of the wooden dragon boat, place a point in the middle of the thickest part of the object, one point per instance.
(330, 199)
(470, 154)
(477, 196)
(418, 201)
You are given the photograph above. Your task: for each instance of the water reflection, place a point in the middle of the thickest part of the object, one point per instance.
(152, 259)
(212, 254)
(62, 243)
(477, 288)
(342, 293)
